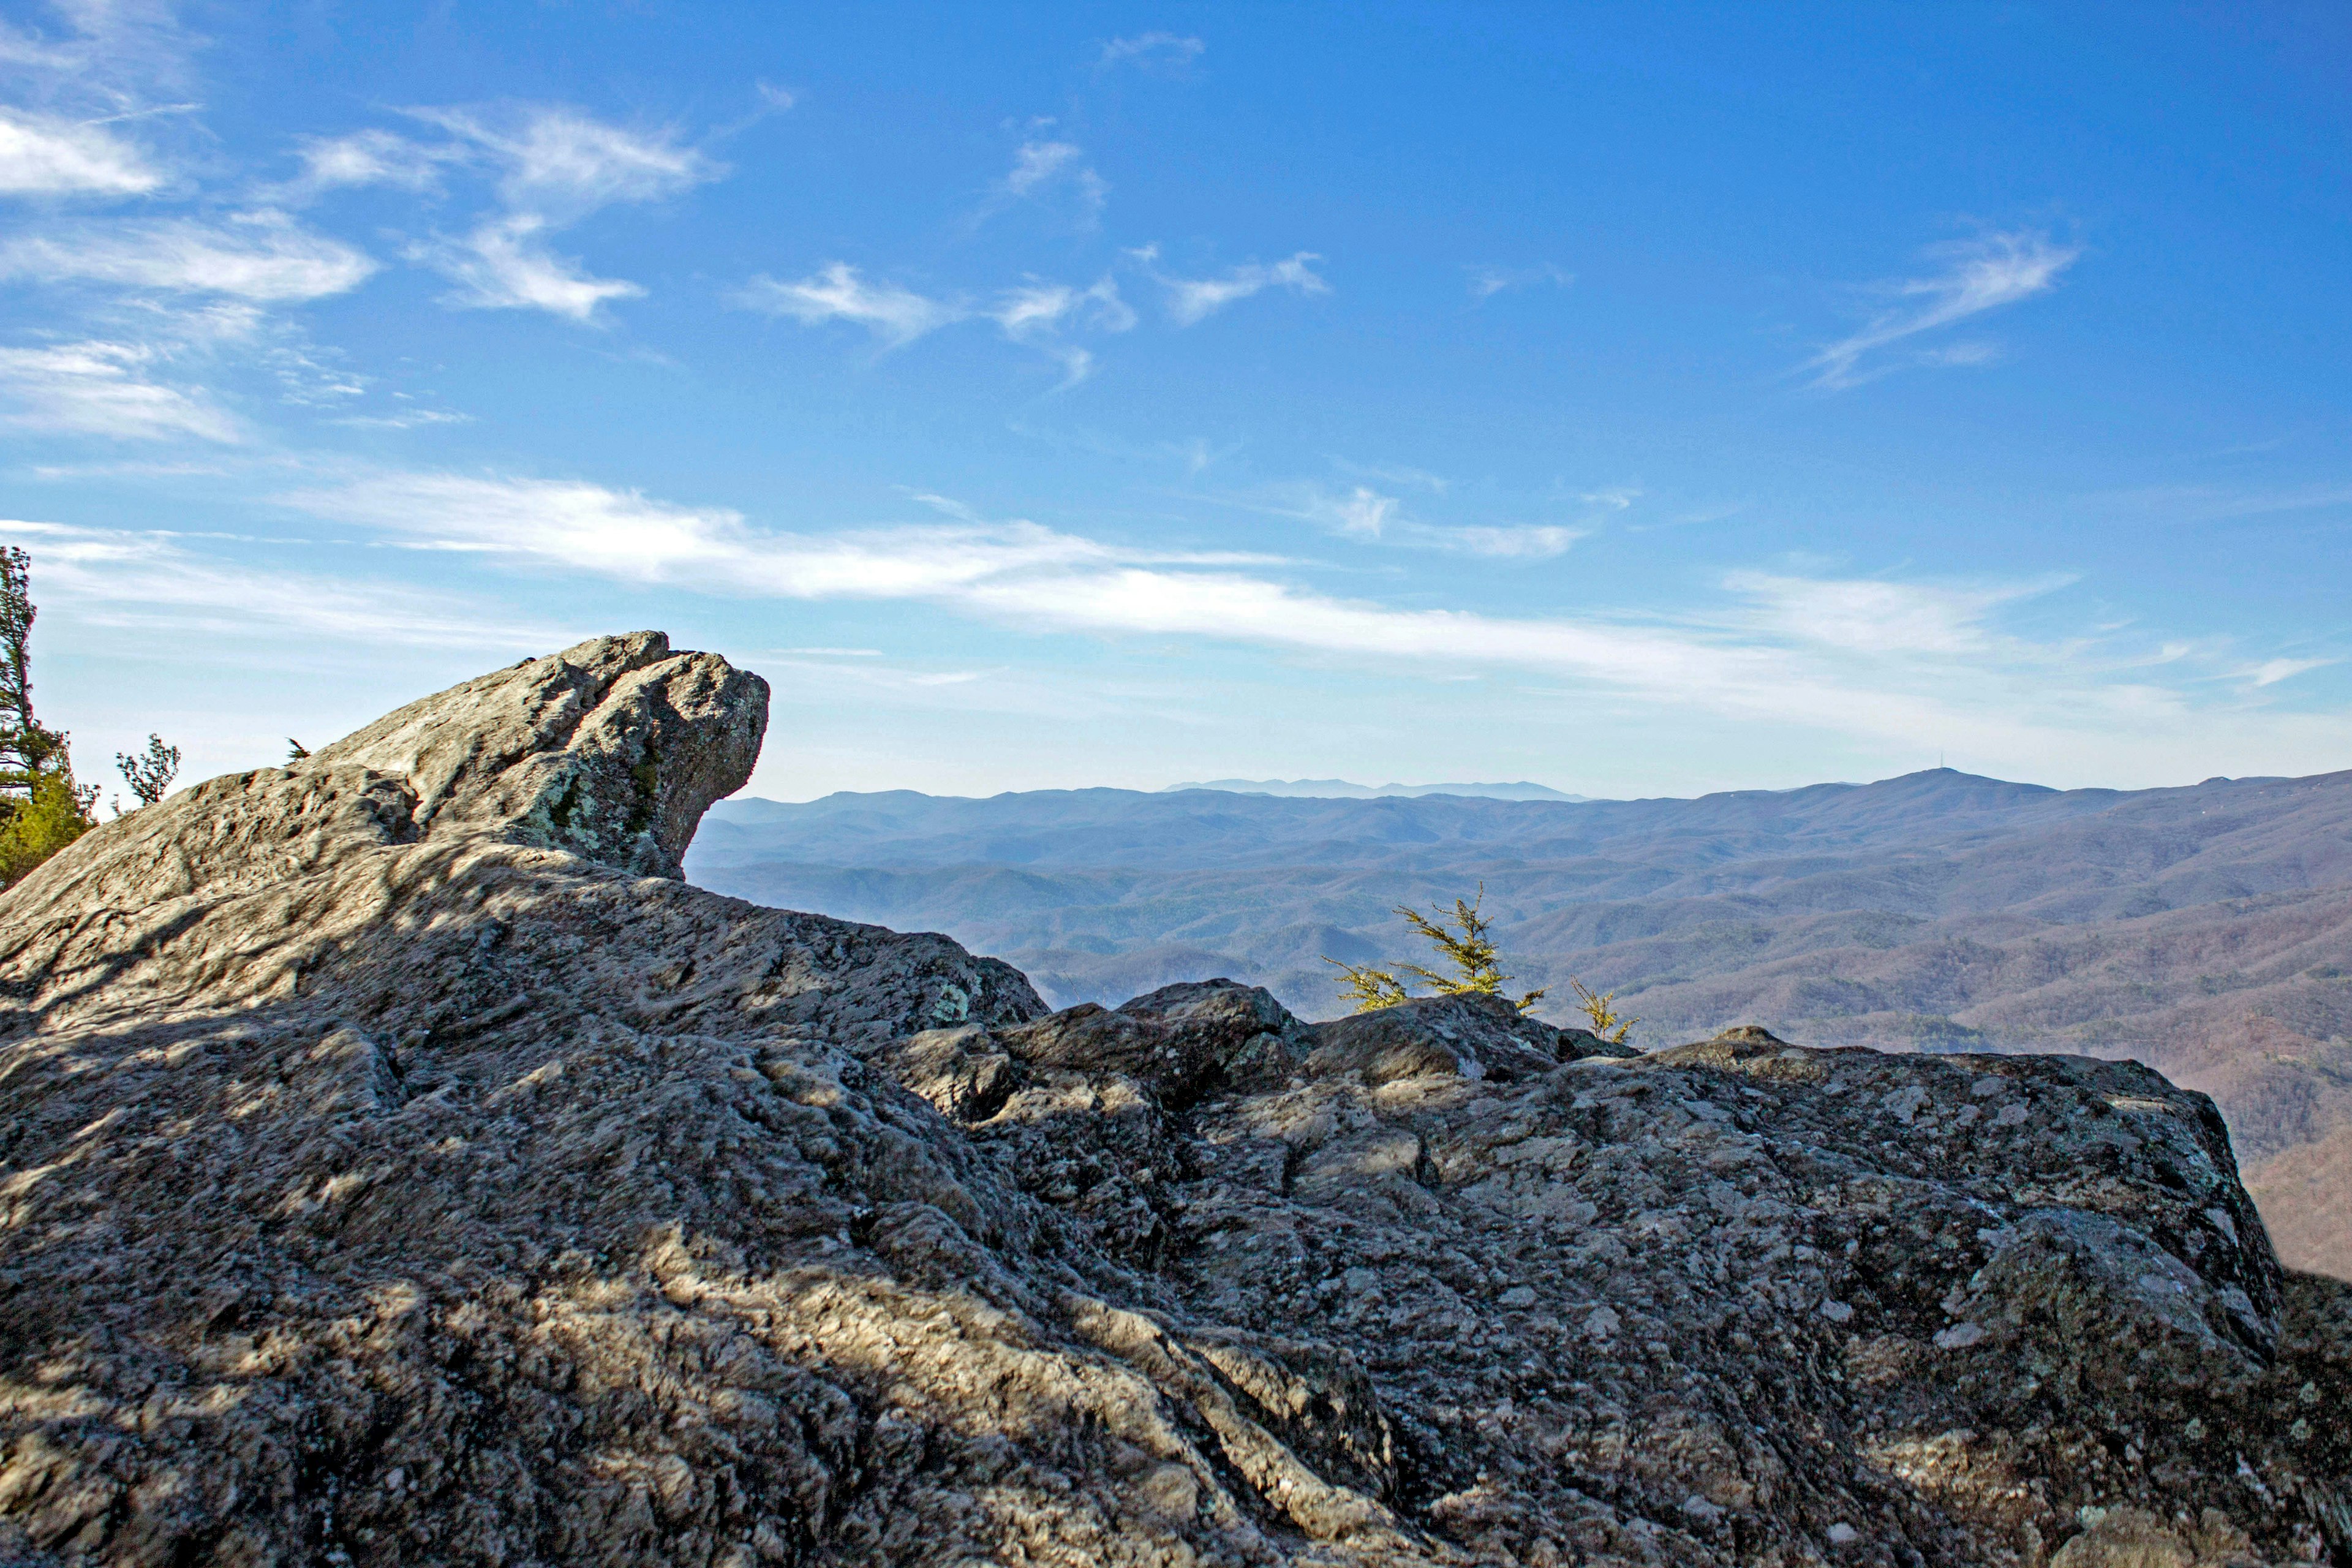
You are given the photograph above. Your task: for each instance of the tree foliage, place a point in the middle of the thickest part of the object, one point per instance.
(1599, 1007)
(1368, 988)
(150, 772)
(52, 813)
(1474, 963)
(42, 810)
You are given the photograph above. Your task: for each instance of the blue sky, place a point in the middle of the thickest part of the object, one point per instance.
(1638, 400)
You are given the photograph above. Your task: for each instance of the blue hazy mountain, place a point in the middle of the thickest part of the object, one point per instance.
(1340, 789)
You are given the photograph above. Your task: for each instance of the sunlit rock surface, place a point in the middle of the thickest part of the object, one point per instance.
(398, 1164)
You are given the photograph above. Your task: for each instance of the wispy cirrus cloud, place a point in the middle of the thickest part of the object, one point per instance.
(1053, 171)
(405, 419)
(1166, 52)
(1485, 282)
(2270, 672)
(47, 155)
(1879, 615)
(505, 265)
(1040, 305)
(1039, 314)
(1929, 662)
(1194, 300)
(153, 581)
(91, 82)
(115, 52)
(364, 158)
(109, 389)
(1511, 541)
(142, 311)
(1363, 513)
(839, 292)
(1039, 164)
(1978, 276)
(564, 164)
(553, 166)
(264, 257)
(550, 161)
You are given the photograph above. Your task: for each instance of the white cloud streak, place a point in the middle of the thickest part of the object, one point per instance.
(1036, 163)
(2272, 671)
(1485, 282)
(1193, 299)
(1928, 666)
(1040, 167)
(837, 293)
(504, 264)
(263, 257)
(1870, 616)
(1038, 314)
(1980, 275)
(555, 166)
(42, 155)
(368, 158)
(1364, 513)
(1520, 542)
(110, 59)
(563, 164)
(406, 419)
(100, 388)
(1170, 52)
(151, 583)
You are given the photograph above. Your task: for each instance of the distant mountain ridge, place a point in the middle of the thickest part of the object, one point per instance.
(2206, 929)
(1202, 829)
(1340, 789)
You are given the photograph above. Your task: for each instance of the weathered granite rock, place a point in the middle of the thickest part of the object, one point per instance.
(611, 749)
(1473, 1036)
(398, 1164)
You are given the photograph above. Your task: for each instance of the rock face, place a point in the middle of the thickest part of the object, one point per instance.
(1470, 1037)
(398, 1164)
(611, 749)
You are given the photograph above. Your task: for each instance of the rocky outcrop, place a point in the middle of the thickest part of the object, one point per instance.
(398, 1164)
(611, 749)
(1473, 1037)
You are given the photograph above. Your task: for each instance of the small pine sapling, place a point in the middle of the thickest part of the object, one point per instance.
(1462, 941)
(150, 772)
(1368, 988)
(1599, 1007)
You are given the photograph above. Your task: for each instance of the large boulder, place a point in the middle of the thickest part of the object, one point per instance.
(398, 1163)
(1472, 1035)
(611, 749)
